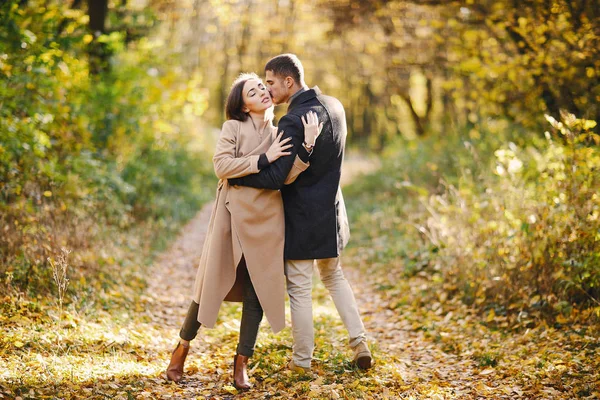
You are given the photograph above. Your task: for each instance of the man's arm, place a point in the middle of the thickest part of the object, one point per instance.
(274, 176)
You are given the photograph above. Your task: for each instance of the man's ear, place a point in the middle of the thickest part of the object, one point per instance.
(289, 82)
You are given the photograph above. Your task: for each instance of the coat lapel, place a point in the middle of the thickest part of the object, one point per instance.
(304, 97)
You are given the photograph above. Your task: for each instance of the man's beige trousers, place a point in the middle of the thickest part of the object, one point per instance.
(299, 287)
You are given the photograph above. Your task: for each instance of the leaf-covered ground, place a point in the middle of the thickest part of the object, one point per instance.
(425, 345)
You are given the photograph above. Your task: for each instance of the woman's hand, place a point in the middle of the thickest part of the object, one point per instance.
(278, 148)
(312, 128)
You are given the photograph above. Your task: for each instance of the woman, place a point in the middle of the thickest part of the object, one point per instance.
(242, 257)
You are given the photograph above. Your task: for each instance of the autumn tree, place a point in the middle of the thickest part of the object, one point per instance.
(492, 58)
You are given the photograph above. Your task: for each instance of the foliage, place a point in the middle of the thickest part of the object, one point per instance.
(404, 67)
(482, 58)
(83, 157)
(527, 238)
(515, 236)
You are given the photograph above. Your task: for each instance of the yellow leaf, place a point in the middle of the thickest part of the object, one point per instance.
(588, 124)
(354, 384)
(48, 193)
(230, 389)
(561, 320)
(491, 316)
(87, 39)
(534, 300)
(18, 344)
(589, 71)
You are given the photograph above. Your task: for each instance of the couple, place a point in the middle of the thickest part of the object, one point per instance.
(278, 198)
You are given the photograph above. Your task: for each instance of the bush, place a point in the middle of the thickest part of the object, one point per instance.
(529, 234)
(506, 225)
(84, 158)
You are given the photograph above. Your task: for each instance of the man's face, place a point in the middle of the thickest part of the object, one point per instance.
(277, 87)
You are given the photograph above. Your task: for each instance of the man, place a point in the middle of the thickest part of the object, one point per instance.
(316, 225)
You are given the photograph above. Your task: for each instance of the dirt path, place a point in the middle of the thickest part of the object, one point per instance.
(172, 277)
(407, 364)
(414, 366)
(422, 368)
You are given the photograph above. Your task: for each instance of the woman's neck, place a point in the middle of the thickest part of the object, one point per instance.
(260, 118)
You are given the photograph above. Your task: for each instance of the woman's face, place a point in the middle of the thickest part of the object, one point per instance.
(256, 96)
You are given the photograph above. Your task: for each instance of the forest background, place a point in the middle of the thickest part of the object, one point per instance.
(481, 114)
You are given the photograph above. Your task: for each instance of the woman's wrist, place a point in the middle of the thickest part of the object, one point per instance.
(308, 146)
(309, 140)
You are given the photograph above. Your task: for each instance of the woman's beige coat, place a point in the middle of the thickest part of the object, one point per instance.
(244, 221)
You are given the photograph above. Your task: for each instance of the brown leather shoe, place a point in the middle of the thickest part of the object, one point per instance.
(298, 369)
(362, 356)
(175, 368)
(240, 373)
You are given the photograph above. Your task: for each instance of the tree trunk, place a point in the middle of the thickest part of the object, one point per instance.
(195, 42)
(98, 11)
(290, 22)
(368, 113)
(242, 47)
(224, 89)
(419, 129)
(429, 104)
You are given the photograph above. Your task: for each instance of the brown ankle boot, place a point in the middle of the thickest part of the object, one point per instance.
(240, 373)
(175, 368)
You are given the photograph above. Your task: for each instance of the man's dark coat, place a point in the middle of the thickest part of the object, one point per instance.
(316, 225)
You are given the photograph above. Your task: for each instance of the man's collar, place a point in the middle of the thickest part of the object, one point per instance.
(299, 92)
(305, 95)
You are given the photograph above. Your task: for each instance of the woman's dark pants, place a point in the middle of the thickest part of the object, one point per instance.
(252, 314)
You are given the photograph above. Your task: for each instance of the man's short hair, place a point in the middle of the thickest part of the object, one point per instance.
(285, 65)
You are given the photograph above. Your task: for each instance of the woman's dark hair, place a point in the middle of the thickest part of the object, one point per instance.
(234, 105)
(285, 65)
